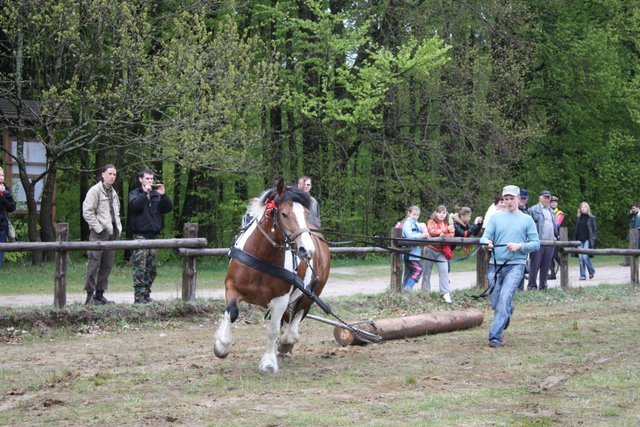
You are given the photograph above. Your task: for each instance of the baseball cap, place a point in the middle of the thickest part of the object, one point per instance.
(554, 198)
(545, 193)
(511, 190)
(524, 194)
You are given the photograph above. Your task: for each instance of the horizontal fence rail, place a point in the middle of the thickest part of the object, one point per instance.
(191, 247)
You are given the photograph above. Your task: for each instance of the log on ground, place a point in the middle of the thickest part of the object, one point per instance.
(411, 326)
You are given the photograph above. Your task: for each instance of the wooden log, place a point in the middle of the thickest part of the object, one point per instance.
(564, 261)
(633, 260)
(411, 326)
(60, 285)
(189, 266)
(99, 246)
(482, 265)
(397, 263)
(632, 252)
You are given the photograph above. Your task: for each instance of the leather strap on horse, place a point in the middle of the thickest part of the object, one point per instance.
(278, 272)
(290, 277)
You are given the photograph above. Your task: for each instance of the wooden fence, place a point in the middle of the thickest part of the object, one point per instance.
(191, 247)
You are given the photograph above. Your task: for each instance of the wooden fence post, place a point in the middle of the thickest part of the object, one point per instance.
(396, 262)
(633, 259)
(482, 263)
(60, 290)
(564, 260)
(189, 267)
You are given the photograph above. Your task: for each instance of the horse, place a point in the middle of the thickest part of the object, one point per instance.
(275, 250)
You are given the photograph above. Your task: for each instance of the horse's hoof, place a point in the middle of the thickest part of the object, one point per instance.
(285, 349)
(220, 353)
(269, 369)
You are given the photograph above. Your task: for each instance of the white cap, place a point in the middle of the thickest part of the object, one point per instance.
(511, 190)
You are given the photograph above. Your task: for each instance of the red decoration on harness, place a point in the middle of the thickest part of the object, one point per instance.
(271, 205)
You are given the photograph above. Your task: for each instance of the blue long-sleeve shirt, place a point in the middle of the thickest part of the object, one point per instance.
(508, 227)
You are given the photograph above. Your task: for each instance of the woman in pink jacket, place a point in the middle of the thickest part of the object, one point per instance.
(438, 226)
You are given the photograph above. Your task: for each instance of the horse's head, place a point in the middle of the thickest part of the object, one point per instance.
(288, 207)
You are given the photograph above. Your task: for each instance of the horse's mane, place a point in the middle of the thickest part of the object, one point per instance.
(292, 194)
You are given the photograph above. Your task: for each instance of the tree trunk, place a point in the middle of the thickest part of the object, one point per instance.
(84, 188)
(47, 232)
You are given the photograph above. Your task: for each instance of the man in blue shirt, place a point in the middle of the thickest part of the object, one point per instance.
(511, 235)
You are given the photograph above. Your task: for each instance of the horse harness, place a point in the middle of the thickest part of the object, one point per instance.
(288, 276)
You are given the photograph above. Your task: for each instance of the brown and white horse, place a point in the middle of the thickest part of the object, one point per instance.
(277, 239)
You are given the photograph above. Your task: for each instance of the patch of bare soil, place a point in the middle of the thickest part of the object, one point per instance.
(563, 364)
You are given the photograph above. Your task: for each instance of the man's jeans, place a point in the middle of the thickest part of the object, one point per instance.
(501, 297)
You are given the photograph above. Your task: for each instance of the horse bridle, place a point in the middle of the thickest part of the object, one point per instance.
(289, 238)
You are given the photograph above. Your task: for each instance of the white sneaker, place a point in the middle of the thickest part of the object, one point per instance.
(447, 298)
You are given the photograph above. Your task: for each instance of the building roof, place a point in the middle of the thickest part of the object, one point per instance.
(30, 111)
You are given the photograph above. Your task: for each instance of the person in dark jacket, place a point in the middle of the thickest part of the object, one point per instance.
(147, 206)
(7, 204)
(585, 232)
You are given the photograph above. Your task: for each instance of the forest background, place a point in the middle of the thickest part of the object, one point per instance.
(384, 104)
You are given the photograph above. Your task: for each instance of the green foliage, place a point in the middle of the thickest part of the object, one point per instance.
(384, 104)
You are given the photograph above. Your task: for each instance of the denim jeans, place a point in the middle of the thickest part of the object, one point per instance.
(501, 297)
(3, 238)
(585, 262)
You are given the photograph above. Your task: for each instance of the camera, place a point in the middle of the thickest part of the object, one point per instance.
(155, 186)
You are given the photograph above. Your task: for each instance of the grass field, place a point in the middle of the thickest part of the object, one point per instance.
(571, 359)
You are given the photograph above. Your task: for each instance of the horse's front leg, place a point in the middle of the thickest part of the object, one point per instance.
(269, 362)
(222, 346)
(290, 334)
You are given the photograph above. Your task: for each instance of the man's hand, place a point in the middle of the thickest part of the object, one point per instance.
(514, 247)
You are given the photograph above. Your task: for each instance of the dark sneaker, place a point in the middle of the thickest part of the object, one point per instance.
(141, 300)
(495, 344)
(148, 299)
(552, 277)
(101, 300)
(591, 275)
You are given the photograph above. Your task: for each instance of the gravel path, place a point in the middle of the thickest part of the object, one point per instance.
(348, 284)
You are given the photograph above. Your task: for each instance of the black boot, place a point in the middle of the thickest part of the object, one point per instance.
(89, 300)
(139, 298)
(99, 299)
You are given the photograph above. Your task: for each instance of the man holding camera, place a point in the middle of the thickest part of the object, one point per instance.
(147, 206)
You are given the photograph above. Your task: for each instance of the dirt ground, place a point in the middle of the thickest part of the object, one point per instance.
(570, 359)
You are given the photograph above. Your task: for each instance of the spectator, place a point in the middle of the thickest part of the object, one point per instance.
(7, 204)
(101, 210)
(304, 184)
(248, 218)
(585, 232)
(511, 235)
(522, 206)
(411, 230)
(147, 205)
(522, 201)
(634, 223)
(544, 218)
(555, 260)
(438, 226)
(462, 224)
(498, 205)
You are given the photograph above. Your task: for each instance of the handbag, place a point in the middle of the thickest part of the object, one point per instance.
(11, 232)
